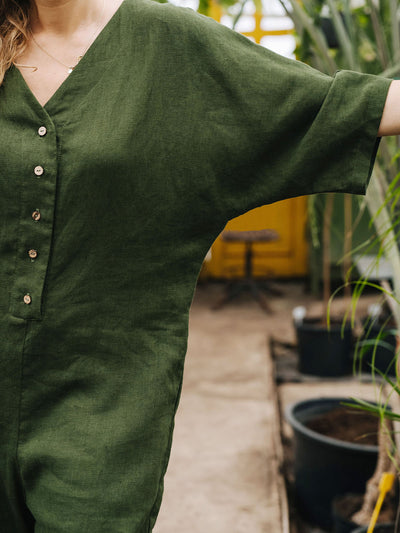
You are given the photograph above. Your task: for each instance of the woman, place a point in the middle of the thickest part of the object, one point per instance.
(129, 134)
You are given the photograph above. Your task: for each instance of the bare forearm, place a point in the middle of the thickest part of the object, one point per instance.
(390, 122)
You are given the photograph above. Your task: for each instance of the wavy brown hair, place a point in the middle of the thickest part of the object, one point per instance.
(14, 31)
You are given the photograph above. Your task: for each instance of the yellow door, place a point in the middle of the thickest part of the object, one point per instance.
(286, 257)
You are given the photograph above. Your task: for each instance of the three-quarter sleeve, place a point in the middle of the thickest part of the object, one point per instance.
(268, 127)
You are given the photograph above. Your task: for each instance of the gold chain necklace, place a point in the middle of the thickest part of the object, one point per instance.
(68, 67)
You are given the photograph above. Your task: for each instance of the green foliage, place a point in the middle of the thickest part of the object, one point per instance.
(367, 36)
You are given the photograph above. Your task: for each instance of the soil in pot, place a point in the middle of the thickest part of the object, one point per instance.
(326, 466)
(323, 352)
(350, 426)
(344, 507)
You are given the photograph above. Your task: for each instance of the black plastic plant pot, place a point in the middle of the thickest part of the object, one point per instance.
(323, 352)
(382, 355)
(381, 528)
(325, 467)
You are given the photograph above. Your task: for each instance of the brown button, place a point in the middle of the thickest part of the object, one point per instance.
(36, 215)
(39, 170)
(42, 131)
(27, 299)
(33, 254)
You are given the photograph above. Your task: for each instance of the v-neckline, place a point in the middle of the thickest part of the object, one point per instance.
(63, 86)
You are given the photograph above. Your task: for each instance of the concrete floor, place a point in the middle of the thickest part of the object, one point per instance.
(223, 475)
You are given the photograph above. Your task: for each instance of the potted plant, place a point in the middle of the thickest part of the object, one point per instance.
(330, 455)
(324, 351)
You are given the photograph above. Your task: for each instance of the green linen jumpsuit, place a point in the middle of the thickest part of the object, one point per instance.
(111, 194)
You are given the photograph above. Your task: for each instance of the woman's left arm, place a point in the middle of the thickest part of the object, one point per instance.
(390, 123)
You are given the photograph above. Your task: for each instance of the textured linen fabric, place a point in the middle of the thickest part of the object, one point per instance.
(169, 126)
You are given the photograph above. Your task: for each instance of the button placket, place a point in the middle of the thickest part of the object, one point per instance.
(32, 266)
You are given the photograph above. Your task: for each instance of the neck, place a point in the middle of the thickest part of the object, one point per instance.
(64, 17)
